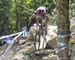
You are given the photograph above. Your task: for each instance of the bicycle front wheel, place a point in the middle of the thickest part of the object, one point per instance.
(37, 41)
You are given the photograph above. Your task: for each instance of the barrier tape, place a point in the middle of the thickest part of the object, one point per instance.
(59, 50)
(8, 48)
(3, 37)
(63, 35)
(62, 44)
(24, 30)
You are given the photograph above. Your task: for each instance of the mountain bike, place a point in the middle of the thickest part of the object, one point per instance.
(40, 36)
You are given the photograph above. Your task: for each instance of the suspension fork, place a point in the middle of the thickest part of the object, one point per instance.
(39, 33)
(44, 35)
(37, 39)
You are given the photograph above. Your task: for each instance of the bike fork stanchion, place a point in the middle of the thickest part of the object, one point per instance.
(35, 41)
(39, 40)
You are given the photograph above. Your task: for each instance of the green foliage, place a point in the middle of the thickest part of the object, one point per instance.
(71, 8)
(15, 13)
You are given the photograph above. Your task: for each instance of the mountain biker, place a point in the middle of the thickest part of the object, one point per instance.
(36, 17)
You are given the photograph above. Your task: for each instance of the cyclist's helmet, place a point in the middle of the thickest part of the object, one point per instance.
(41, 10)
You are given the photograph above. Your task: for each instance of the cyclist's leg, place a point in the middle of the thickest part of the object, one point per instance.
(38, 17)
(39, 40)
(46, 22)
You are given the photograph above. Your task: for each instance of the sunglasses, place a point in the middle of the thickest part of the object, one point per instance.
(40, 11)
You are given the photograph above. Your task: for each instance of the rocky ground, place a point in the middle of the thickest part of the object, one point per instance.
(23, 49)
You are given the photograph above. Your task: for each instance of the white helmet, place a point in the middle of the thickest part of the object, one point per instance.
(41, 9)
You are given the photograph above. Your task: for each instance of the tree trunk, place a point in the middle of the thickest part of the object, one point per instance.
(6, 19)
(16, 16)
(63, 25)
(22, 16)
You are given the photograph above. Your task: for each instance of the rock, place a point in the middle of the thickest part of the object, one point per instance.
(21, 41)
(51, 42)
(50, 57)
(51, 37)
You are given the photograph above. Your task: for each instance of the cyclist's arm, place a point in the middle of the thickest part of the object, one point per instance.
(30, 19)
(46, 19)
(37, 19)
